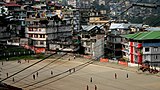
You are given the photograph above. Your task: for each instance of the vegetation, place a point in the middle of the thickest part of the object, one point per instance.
(27, 57)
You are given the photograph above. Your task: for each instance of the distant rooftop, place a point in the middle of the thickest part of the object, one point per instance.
(153, 29)
(143, 35)
(124, 25)
(90, 27)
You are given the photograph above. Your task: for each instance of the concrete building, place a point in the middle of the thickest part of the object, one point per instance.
(143, 47)
(113, 46)
(92, 39)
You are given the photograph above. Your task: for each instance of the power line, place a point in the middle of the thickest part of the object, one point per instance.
(79, 66)
(84, 65)
(27, 67)
(39, 69)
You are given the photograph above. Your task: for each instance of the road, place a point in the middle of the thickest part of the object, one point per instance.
(103, 76)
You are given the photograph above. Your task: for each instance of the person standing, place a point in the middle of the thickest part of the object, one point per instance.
(115, 75)
(91, 80)
(7, 74)
(127, 75)
(87, 87)
(34, 77)
(74, 57)
(13, 79)
(37, 74)
(95, 87)
(51, 72)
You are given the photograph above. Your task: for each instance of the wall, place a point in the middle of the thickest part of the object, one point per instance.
(98, 48)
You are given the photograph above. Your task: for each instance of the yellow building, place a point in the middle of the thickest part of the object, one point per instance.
(97, 20)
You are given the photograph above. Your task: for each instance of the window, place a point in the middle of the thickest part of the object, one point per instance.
(146, 49)
(30, 35)
(88, 49)
(36, 36)
(41, 36)
(155, 57)
(30, 29)
(145, 56)
(34, 29)
(35, 42)
(155, 49)
(41, 42)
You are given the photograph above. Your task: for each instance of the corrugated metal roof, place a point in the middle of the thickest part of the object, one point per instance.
(90, 27)
(124, 25)
(153, 29)
(144, 35)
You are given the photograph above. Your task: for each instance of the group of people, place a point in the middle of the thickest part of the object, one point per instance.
(37, 74)
(95, 87)
(19, 61)
(34, 76)
(116, 76)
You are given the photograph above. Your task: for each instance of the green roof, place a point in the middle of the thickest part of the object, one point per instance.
(143, 35)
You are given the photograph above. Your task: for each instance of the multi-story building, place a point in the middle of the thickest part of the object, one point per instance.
(113, 46)
(142, 47)
(92, 39)
(60, 35)
(36, 33)
(66, 31)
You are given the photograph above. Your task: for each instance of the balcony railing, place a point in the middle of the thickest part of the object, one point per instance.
(36, 25)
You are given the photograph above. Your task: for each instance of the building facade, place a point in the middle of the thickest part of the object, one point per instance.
(92, 39)
(113, 46)
(143, 47)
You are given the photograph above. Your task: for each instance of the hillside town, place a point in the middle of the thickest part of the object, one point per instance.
(121, 31)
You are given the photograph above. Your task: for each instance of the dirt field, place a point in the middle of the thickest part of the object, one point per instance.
(75, 74)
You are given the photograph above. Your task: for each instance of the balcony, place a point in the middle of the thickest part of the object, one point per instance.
(40, 45)
(36, 25)
(35, 32)
(39, 39)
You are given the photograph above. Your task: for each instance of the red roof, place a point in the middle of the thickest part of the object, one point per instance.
(12, 4)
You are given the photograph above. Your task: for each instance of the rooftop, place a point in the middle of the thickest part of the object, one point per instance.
(124, 25)
(12, 4)
(143, 35)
